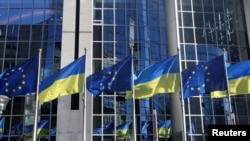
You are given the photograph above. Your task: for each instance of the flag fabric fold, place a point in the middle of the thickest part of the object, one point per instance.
(20, 79)
(161, 77)
(115, 78)
(205, 78)
(68, 80)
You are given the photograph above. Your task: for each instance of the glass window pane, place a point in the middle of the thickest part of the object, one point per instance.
(197, 5)
(108, 17)
(109, 33)
(189, 35)
(208, 7)
(198, 20)
(186, 5)
(108, 49)
(187, 19)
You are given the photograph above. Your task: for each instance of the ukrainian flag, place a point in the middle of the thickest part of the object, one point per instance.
(164, 129)
(68, 80)
(161, 77)
(43, 128)
(124, 130)
(239, 78)
(28, 129)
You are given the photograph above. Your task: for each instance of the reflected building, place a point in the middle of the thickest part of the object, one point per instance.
(106, 30)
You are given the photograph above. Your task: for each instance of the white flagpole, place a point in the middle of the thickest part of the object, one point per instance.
(133, 98)
(36, 96)
(84, 98)
(155, 128)
(181, 98)
(231, 114)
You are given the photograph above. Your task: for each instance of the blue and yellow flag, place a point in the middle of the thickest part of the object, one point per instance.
(20, 79)
(68, 80)
(112, 79)
(205, 78)
(42, 127)
(161, 77)
(124, 131)
(164, 129)
(239, 78)
(28, 129)
(1, 127)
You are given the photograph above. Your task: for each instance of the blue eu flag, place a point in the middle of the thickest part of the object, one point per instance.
(208, 77)
(20, 79)
(112, 79)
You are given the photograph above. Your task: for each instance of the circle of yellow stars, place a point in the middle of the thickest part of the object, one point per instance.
(109, 83)
(206, 75)
(9, 88)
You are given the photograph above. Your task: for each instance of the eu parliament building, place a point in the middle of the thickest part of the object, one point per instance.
(106, 31)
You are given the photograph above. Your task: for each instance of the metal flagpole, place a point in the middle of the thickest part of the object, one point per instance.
(231, 114)
(133, 98)
(181, 98)
(84, 98)
(155, 129)
(36, 96)
(184, 137)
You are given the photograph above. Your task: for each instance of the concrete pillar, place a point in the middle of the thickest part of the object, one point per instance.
(172, 39)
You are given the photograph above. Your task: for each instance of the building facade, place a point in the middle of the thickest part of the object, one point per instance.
(106, 30)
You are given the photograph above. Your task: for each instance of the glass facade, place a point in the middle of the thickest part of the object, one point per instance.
(25, 27)
(205, 28)
(119, 26)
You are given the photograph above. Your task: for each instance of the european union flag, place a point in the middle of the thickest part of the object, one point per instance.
(1, 75)
(208, 77)
(112, 79)
(68, 80)
(159, 78)
(20, 79)
(193, 81)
